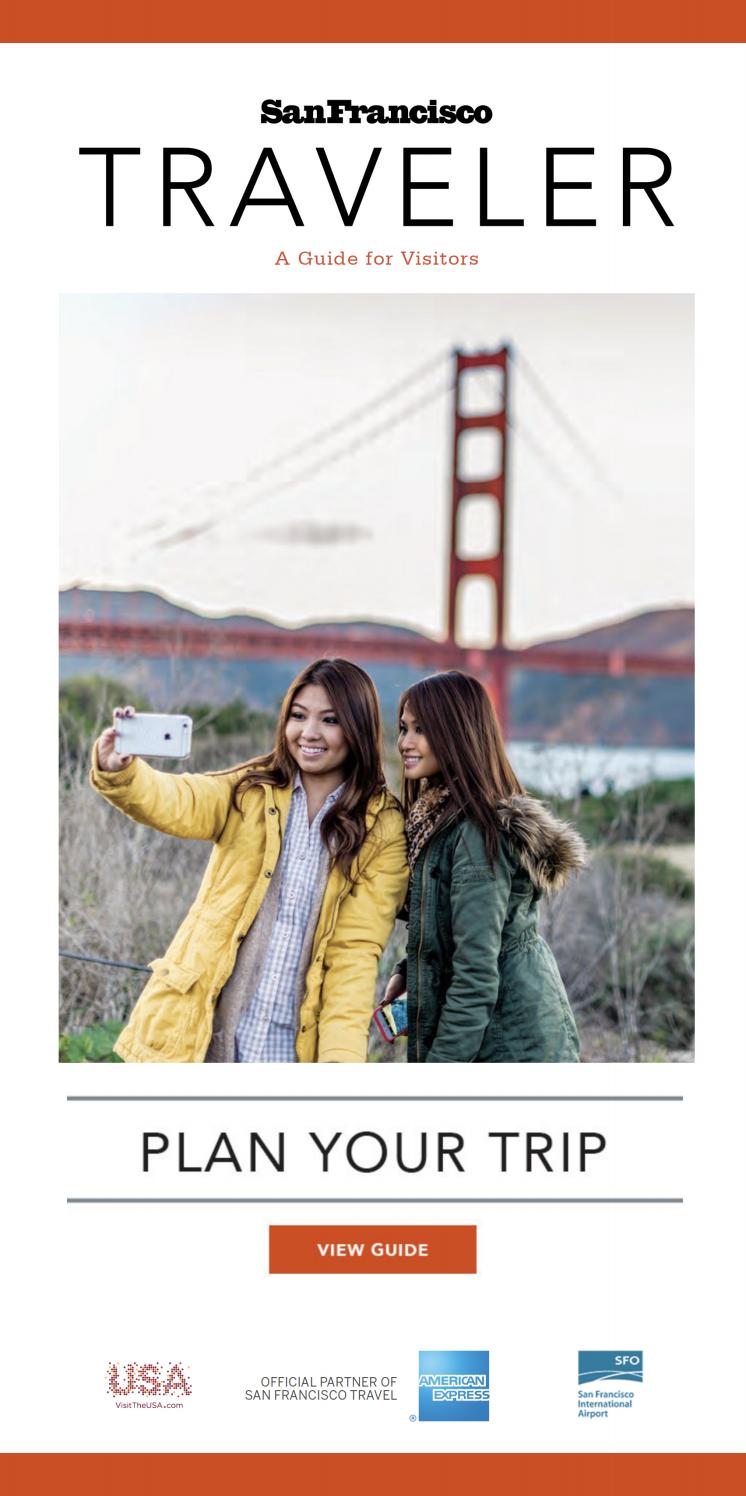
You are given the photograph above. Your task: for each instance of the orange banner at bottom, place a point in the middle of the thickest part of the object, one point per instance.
(329, 1474)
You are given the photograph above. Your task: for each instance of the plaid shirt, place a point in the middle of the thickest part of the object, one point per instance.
(267, 1027)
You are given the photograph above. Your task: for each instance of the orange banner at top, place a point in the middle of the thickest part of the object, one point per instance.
(383, 21)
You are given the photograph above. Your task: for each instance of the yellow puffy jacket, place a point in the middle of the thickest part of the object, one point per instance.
(172, 1019)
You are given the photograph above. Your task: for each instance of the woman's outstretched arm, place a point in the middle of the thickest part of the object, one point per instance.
(193, 806)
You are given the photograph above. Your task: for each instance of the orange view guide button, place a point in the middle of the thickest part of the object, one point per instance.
(372, 1249)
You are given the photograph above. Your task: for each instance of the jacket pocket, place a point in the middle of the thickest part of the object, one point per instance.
(166, 1005)
(307, 1042)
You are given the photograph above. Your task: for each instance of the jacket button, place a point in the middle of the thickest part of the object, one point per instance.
(268, 873)
(272, 811)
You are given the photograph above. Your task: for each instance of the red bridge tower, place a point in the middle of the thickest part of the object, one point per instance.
(488, 664)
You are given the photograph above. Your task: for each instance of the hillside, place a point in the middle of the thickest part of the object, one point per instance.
(668, 631)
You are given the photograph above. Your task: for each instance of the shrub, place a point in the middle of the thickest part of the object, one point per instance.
(666, 806)
(93, 1044)
(624, 946)
(654, 871)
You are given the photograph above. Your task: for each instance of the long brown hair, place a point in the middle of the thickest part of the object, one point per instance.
(355, 703)
(459, 721)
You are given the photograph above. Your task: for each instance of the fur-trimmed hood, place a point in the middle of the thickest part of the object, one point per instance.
(548, 849)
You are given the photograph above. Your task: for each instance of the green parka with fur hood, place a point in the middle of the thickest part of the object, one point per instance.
(482, 984)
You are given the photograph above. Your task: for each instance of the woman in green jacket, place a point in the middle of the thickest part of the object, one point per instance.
(481, 983)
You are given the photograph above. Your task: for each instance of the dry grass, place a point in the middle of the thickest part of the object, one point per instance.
(123, 891)
(623, 944)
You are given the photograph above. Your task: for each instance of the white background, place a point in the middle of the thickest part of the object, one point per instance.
(89, 1285)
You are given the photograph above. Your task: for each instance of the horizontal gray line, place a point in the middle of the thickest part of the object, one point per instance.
(375, 1098)
(375, 1200)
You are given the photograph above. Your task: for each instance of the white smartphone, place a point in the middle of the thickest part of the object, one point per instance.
(154, 735)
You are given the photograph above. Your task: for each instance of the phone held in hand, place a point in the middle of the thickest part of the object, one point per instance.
(391, 1019)
(153, 735)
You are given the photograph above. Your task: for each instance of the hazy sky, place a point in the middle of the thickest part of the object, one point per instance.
(180, 412)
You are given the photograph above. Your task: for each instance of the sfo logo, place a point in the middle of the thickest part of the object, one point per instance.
(609, 1366)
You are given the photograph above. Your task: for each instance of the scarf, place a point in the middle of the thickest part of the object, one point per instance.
(423, 819)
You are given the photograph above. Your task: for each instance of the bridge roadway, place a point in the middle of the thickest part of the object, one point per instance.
(211, 641)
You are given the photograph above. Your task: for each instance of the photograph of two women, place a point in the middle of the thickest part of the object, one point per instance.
(376, 630)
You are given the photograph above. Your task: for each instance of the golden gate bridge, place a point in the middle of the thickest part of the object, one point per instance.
(492, 663)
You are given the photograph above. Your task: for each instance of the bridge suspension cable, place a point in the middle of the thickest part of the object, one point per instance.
(532, 442)
(553, 468)
(329, 459)
(306, 444)
(574, 435)
(350, 418)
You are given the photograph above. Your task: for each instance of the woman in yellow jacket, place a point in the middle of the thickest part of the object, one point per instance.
(277, 957)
